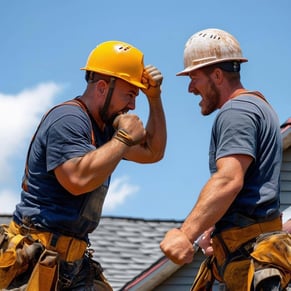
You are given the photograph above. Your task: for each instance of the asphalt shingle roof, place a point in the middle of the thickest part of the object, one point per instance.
(125, 247)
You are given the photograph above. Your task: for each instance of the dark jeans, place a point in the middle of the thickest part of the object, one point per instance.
(79, 275)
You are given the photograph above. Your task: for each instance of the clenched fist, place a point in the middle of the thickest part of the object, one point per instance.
(177, 247)
(152, 78)
(129, 129)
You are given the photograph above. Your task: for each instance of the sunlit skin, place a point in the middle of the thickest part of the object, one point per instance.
(215, 88)
(203, 85)
(84, 174)
(122, 100)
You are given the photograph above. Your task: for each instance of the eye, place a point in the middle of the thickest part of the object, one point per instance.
(132, 95)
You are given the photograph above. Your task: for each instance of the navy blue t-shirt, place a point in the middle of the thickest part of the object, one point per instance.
(64, 134)
(248, 125)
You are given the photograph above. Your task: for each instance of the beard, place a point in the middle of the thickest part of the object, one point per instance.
(106, 118)
(211, 98)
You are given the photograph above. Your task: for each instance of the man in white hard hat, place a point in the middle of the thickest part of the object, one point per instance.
(241, 199)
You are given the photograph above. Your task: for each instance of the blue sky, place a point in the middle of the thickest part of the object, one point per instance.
(45, 43)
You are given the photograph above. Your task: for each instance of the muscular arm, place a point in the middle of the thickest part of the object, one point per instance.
(217, 195)
(83, 174)
(152, 150)
(214, 199)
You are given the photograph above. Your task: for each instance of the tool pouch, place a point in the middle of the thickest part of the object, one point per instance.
(204, 278)
(271, 257)
(45, 273)
(100, 281)
(18, 253)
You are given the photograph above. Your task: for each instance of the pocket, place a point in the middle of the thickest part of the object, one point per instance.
(236, 275)
(204, 278)
(13, 260)
(45, 274)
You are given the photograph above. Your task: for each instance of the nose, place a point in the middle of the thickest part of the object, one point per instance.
(191, 87)
(131, 104)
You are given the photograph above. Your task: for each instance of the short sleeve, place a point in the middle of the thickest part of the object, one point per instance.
(68, 137)
(236, 133)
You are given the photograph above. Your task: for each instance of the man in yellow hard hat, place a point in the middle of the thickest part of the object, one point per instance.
(73, 153)
(240, 201)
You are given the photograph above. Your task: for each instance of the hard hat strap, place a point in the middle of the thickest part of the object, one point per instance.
(233, 66)
(108, 99)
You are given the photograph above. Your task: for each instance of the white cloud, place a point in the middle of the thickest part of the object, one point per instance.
(119, 190)
(8, 200)
(19, 115)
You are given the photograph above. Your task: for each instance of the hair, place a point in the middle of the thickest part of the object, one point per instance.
(93, 77)
(233, 76)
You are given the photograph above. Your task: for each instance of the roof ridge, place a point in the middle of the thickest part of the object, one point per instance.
(143, 219)
(125, 218)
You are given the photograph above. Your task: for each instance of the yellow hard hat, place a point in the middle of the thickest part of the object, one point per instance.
(118, 59)
(208, 47)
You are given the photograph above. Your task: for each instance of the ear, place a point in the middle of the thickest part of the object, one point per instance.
(101, 87)
(218, 76)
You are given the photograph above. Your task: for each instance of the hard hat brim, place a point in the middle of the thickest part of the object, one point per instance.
(104, 72)
(189, 69)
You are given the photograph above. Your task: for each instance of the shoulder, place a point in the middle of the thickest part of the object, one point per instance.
(66, 113)
(246, 102)
(64, 121)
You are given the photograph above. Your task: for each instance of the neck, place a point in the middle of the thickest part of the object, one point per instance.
(237, 92)
(92, 108)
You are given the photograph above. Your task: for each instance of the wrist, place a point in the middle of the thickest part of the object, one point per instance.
(185, 235)
(122, 136)
(188, 235)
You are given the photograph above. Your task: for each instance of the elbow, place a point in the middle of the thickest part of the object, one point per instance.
(75, 189)
(160, 157)
(75, 186)
(157, 156)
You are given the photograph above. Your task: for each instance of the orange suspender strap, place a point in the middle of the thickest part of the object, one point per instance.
(253, 93)
(75, 102)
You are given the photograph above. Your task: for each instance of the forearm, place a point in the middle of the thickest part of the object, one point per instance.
(152, 149)
(214, 200)
(156, 137)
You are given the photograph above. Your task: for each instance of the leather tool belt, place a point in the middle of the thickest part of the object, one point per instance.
(235, 246)
(68, 248)
(229, 241)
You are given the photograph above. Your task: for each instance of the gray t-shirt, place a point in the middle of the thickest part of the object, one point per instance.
(248, 125)
(64, 134)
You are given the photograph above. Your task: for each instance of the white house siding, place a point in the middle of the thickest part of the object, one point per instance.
(182, 280)
(285, 182)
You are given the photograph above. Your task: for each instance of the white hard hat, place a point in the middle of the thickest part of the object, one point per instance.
(208, 47)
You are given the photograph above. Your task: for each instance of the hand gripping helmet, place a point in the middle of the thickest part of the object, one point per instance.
(210, 46)
(117, 59)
